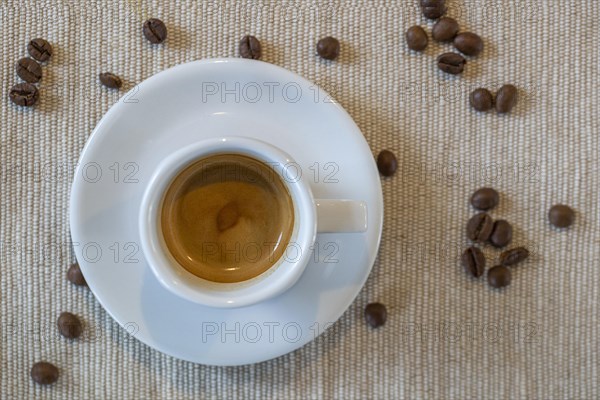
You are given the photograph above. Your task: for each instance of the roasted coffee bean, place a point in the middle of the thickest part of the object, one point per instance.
(328, 48)
(474, 261)
(485, 199)
(110, 80)
(75, 276)
(481, 99)
(24, 94)
(433, 9)
(29, 70)
(387, 163)
(155, 30)
(375, 314)
(451, 63)
(40, 49)
(514, 256)
(416, 38)
(506, 98)
(501, 233)
(250, 48)
(445, 29)
(44, 373)
(499, 276)
(468, 43)
(69, 325)
(479, 227)
(561, 216)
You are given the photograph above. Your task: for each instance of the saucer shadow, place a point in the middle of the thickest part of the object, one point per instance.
(190, 331)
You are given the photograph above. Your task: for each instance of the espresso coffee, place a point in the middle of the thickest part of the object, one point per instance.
(227, 218)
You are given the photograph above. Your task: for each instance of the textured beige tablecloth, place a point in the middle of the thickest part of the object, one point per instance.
(447, 336)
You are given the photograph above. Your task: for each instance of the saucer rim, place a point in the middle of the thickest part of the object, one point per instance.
(116, 109)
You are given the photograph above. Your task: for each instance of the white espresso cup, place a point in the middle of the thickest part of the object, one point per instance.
(311, 216)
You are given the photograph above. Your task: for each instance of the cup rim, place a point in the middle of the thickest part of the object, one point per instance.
(280, 277)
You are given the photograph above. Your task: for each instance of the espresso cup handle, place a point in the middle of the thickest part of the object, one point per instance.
(341, 216)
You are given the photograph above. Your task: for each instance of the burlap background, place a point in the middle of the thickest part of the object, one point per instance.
(447, 336)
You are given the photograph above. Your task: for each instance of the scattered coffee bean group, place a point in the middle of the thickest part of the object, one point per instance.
(447, 29)
(155, 31)
(506, 99)
(69, 326)
(444, 30)
(29, 70)
(481, 228)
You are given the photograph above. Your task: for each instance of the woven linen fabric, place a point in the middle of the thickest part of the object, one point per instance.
(448, 336)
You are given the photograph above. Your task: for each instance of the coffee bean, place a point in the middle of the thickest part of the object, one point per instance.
(75, 276)
(451, 63)
(44, 373)
(69, 325)
(228, 217)
(328, 48)
(514, 256)
(24, 94)
(481, 99)
(474, 261)
(250, 48)
(499, 277)
(479, 227)
(506, 98)
(40, 49)
(110, 80)
(561, 216)
(416, 38)
(155, 30)
(485, 199)
(375, 314)
(468, 43)
(501, 233)
(433, 9)
(387, 163)
(29, 70)
(445, 29)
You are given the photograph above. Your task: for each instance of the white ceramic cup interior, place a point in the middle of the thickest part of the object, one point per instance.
(330, 215)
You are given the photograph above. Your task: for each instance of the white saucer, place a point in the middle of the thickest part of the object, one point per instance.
(175, 108)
